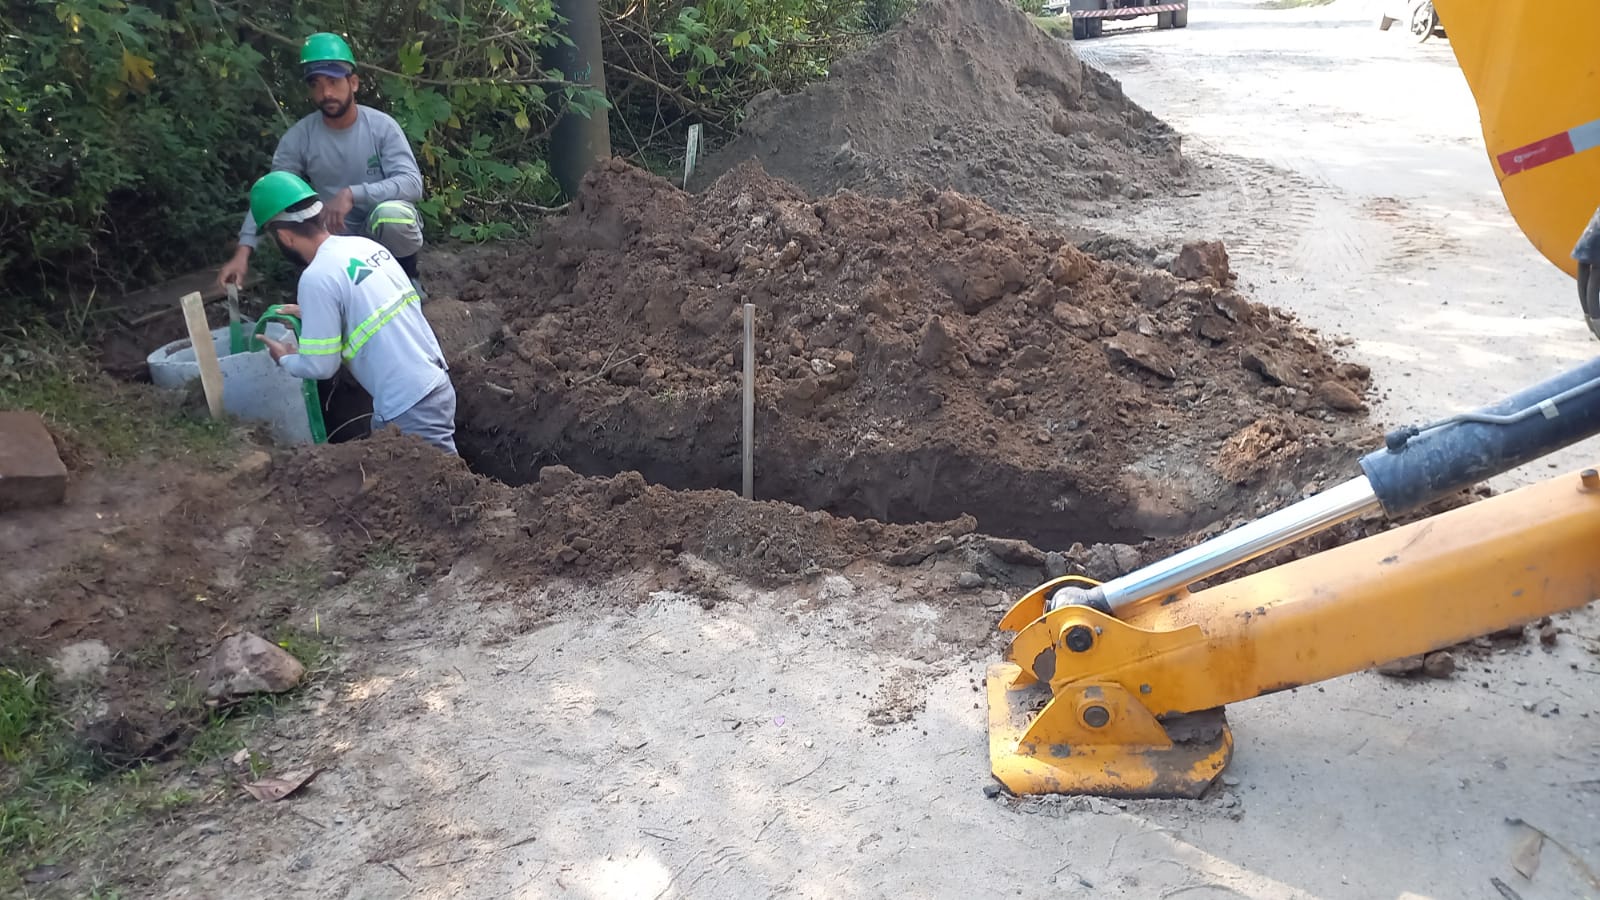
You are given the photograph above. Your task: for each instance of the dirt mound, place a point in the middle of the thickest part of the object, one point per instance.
(392, 491)
(917, 360)
(965, 95)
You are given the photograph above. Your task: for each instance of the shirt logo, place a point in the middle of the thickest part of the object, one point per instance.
(357, 271)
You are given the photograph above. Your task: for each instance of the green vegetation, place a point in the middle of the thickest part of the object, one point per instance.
(40, 371)
(23, 710)
(388, 556)
(1055, 26)
(130, 132)
(47, 778)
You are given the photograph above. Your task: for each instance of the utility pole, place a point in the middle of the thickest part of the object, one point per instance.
(579, 141)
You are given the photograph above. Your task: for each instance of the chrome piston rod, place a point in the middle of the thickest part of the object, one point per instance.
(1340, 503)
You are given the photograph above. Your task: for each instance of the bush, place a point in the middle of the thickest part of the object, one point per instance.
(123, 140)
(130, 133)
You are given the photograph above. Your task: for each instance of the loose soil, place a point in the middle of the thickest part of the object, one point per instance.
(965, 95)
(917, 360)
(160, 562)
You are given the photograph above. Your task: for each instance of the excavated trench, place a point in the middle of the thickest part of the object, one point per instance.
(693, 448)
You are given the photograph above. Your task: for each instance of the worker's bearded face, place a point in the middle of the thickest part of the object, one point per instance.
(333, 96)
(289, 250)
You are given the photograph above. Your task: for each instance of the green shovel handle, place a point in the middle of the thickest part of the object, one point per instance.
(275, 313)
(319, 430)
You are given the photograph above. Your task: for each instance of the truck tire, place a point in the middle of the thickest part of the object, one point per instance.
(1080, 29)
(1095, 27)
(1180, 18)
(1163, 21)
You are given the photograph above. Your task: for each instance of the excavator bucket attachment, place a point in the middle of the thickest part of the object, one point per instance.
(1097, 739)
(1049, 736)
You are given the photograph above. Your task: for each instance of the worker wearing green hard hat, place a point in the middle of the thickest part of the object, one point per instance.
(356, 157)
(357, 306)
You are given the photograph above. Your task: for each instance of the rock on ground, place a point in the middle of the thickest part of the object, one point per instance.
(81, 663)
(245, 663)
(31, 471)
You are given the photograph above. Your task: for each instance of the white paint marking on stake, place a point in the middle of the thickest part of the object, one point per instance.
(691, 154)
(749, 399)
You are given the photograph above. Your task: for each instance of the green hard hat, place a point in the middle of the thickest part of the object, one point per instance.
(275, 192)
(325, 46)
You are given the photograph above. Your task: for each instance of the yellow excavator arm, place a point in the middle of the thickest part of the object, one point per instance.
(1535, 74)
(1118, 688)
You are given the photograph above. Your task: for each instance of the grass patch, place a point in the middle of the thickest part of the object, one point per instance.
(1292, 4)
(61, 803)
(287, 579)
(1055, 26)
(313, 649)
(24, 708)
(45, 781)
(389, 556)
(121, 422)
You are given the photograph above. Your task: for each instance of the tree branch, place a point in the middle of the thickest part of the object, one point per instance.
(419, 79)
(714, 117)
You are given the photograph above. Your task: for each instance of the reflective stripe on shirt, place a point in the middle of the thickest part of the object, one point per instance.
(375, 322)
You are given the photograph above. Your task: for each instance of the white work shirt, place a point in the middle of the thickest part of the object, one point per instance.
(358, 306)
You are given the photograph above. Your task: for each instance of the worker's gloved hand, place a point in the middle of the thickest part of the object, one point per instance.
(1587, 253)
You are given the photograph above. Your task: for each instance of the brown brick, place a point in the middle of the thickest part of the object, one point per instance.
(31, 472)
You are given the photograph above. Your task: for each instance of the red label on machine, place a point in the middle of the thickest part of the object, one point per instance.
(1536, 154)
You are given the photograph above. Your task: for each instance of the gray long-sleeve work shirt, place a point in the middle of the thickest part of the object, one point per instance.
(372, 158)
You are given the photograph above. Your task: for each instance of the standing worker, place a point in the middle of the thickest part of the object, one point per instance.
(356, 157)
(356, 304)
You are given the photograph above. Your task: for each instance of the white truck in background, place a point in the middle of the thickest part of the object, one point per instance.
(1089, 16)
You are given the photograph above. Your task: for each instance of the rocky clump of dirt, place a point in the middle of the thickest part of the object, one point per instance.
(965, 95)
(916, 360)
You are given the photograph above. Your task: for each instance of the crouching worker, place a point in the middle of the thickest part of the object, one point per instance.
(357, 305)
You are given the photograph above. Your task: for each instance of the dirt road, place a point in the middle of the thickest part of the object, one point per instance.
(1361, 198)
(827, 740)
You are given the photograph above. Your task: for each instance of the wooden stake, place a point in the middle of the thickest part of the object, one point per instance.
(205, 351)
(691, 155)
(749, 399)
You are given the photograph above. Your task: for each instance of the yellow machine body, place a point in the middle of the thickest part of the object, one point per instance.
(1131, 705)
(1532, 70)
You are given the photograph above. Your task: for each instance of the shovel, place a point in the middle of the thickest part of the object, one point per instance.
(237, 342)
